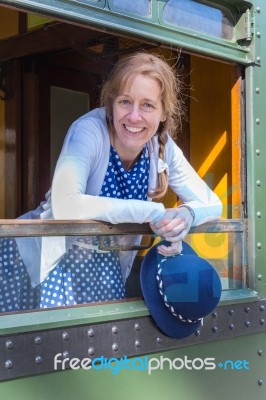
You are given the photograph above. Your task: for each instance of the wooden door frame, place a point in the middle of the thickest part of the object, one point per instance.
(12, 161)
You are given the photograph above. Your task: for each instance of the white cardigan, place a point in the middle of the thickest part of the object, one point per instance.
(77, 182)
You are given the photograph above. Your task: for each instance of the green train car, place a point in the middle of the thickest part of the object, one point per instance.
(54, 56)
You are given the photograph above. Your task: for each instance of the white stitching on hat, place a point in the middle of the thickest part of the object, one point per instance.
(164, 297)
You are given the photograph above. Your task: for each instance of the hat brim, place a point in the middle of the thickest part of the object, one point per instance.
(166, 322)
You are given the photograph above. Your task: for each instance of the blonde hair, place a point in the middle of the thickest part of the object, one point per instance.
(171, 88)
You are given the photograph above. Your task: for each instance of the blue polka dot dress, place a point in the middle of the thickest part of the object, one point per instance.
(84, 274)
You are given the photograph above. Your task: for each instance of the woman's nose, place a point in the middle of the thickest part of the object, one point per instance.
(135, 114)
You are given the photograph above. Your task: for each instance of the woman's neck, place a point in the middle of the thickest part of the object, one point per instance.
(129, 163)
(127, 156)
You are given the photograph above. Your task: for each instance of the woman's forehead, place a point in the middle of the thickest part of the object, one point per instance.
(127, 82)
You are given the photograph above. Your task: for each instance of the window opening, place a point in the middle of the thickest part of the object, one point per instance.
(199, 16)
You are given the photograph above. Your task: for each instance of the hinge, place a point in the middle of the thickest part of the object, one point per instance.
(245, 27)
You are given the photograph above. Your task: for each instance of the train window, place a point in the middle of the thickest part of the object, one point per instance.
(212, 140)
(68, 273)
(139, 7)
(225, 252)
(199, 16)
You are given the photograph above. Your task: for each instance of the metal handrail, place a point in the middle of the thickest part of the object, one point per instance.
(31, 228)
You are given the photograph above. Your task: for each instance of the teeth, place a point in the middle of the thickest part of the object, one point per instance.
(133, 129)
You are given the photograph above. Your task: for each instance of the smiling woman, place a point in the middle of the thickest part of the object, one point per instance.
(114, 161)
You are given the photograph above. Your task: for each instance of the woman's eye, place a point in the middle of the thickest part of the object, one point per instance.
(124, 101)
(148, 105)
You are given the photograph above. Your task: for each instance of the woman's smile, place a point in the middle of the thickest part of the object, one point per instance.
(133, 129)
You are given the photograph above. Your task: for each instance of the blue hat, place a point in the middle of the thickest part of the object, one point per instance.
(179, 290)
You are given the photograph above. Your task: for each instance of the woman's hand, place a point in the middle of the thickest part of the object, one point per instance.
(173, 226)
(172, 250)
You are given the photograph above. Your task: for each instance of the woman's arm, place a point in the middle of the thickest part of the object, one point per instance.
(68, 202)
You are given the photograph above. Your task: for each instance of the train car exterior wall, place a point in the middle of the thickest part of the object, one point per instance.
(227, 359)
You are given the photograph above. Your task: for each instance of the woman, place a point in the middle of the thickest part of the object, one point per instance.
(113, 161)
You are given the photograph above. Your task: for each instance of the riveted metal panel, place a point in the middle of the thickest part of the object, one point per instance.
(33, 353)
(256, 144)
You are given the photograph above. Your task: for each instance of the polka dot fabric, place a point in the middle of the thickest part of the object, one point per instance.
(83, 275)
(122, 184)
(16, 292)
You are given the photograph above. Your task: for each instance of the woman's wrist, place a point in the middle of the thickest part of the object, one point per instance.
(192, 213)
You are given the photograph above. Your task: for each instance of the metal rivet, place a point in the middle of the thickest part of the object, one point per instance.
(232, 327)
(262, 307)
(9, 344)
(259, 245)
(260, 352)
(114, 346)
(38, 340)
(8, 364)
(65, 336)
(259, 277)
(38, 360)
(258, 9)
(231, 312)
(159, 339)
(258, 59)
(90, 332)
(137, 326)
(114, 329)
(257, 121)
(258, 34)
(258, 152)
(215, 329)
(247, 309)
(258, 214)
(215, 315)
(257, 90)
(65, 354)
(91, 351)
(137, 343)
(260, 382)
(262, 321)
(247, 323)
(258, 182)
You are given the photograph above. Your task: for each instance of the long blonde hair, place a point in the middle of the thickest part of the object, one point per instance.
(169, 80)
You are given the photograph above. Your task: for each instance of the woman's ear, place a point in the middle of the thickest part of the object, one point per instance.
(164, 116)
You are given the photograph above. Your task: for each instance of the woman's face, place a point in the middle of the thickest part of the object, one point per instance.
(137, 113)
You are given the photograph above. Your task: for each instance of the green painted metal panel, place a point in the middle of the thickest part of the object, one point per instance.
(168, 384)
(256, 145)
(50, 319)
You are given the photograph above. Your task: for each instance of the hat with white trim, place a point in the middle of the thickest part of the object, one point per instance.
(179, 291)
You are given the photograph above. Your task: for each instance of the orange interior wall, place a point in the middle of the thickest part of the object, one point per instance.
(210, 124)
(214, 142)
